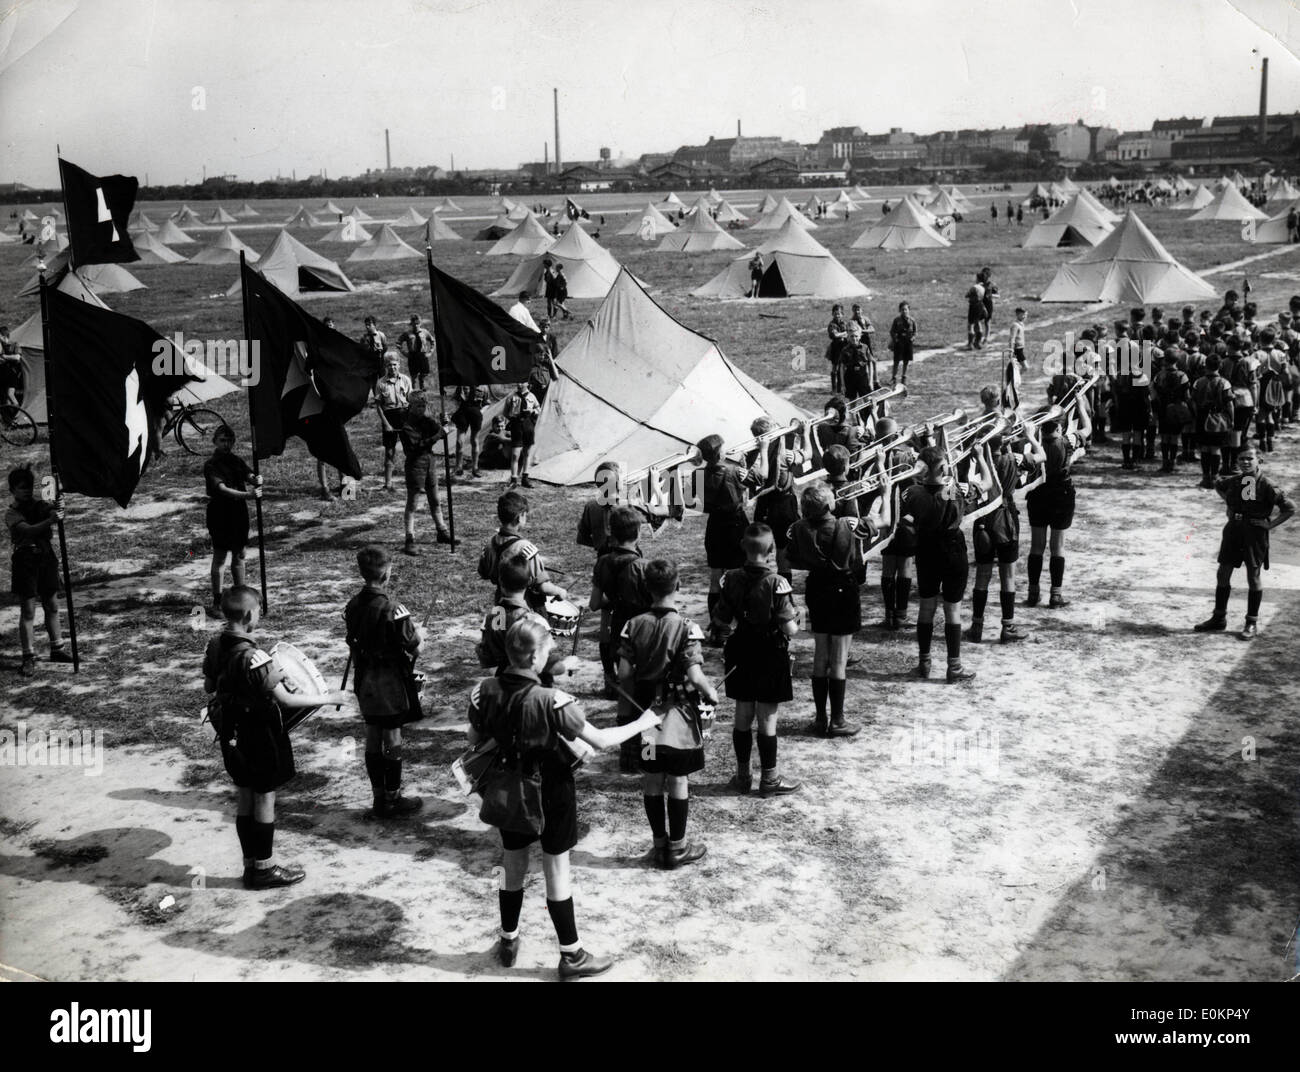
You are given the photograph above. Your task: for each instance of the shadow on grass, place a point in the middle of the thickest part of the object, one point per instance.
(120, 856)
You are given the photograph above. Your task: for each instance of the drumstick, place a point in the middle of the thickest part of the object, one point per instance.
(347, 666)
(577, 632)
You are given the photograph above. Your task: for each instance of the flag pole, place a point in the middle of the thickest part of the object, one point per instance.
(54, 470)
(252, 427)
(442, 404)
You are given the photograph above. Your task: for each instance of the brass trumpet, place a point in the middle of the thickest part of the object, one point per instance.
(1018, 428)
(863, 455)
(978, 431)
(672, 461)
(795, 427)
(875, 481)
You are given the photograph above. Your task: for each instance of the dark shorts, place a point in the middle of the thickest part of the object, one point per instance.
(942, 568)
(990, 548)
(228, 527)
(834, 606)
(260, 759)
(757, 664)
(1243, 545)
(421, 475)
(778, 510)
(560, 811)
(522, 432)
(467, 418)
(418, 364)
(390, 435)
(722, 536)
(1051, 506)
(903, 543)
(1131, 412)
(35, 573)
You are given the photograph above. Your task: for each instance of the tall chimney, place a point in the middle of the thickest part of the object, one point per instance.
(555, 97)
(388, 152)
(546, 157)
(1263, 102)
(738, 128)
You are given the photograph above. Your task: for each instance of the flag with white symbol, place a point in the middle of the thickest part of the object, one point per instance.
(310, 380)
(107, 397)
(98, 210)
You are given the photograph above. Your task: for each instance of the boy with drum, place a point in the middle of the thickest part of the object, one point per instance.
(618, 591)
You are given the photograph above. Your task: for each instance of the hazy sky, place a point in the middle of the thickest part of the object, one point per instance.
(311, 84)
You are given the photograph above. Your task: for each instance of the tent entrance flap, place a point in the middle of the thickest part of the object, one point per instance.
(772, 285)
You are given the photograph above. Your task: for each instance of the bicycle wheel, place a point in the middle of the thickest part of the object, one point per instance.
(17, 427)
(195, 429)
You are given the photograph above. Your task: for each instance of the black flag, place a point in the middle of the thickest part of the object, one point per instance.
(478, 341)
(110, 376)
(98, 212)
(311, 380)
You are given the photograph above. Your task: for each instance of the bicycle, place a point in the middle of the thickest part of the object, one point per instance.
(192, 426)
(17, 428)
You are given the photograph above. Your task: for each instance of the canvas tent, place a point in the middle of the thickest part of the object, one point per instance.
(387, 245)
(795, 265)
(659, 223)
(302, 218)
(1199, 199)
(673, 201)
(905, 227)
(346, 232)
(944, 205)
(1038, 193)
(96, 278)
(171, 235)
(1129, 265)
(811, 206)
(635, 385)
(1282, 190)
(526, 239)
(446, 205)
(360, 215)
(776, 219)
(502, 225)
(246, 212)
(152, 251)
(1073, 224)
(410, 218)
(437, 231)
(767, 204)
(1274, 229)
(589, 267)
(861, 194)
(964, 204)
(331, 209)
(1085, 198)
(220, 215)
(225, 249)
(185, 214)
(140, 223)
(1229, 205)
(295, 269)
(699, 234)
(728, 213)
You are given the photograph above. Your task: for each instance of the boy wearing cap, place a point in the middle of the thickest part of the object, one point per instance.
(417, 344)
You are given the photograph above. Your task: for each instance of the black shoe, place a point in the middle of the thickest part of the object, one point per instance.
(271, 878)
(29, 666)
(582, 965)
(1032, 597)
(889, 623)
(975, 634)
(819, 726)
(1011, 633)
(1214, 624)
(409, 548)
(841, 728)
(957, 675)
(398, 808)
(1056, 601)
(444, 537)
(683, 855)
(921, 669)
(777, 787)
(902, 621)
(528, 484)
(60, 655)
(741, 785)
(507, 952)
(1250, 631)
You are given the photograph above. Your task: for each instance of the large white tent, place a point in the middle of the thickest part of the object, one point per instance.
(437, 231)
(658, 226)
(699, 234)
(221, 216)
(1274, 229)
(169, 234)
(387, 245)
(1230, 206)
(1086, 198)
(225, 249)
(410, 218)
(302, 218)
(635, 386)
(1199, 199)
(777, 217)
(527, 239)
(295, 269)
(728, 213)
(352, 233)
(1073, 224)
(96, 278)
(1130, 265)
(795, 265)
(589, 268)
(151, 251)
(905, 227)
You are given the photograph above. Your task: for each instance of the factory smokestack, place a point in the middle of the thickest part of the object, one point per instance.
(1263, 102)
(738, 128)
(388, 152)
(555, 96)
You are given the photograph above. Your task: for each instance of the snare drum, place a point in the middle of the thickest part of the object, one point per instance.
(562, 616)
(300, 677)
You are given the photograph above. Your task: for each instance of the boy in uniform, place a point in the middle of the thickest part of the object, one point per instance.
(593, 525)
(1251, 499)
(1051, 507)
(508, 543)
(725, 486)
(227, 477)
(902, 334)
(618, 592)
(249, 689)
(510, 606)
(419, 434)
(996, 537)
(372, 339)
(521, 417)
(384, 641)
(392, 396)
(659, 655)
(517, 708)
(417, 344)
(468, 420)
(1018, 337)
(35, 573)
(757, 658)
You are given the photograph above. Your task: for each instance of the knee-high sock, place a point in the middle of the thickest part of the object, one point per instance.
(820, 690)
(904, 593)
(1057, 570)
(262, 842)
(375, 771)
(607, 658)
(1221, 594)
(743, 743)
(924, 637)
(244, 831)
(837, 685)
(511, 903)
(1035, 570)
(566, 927)
(978, 599)
(888, 594)
(678, 812)
(952, 637)
(654, 811)
(767, 752)
(1253, 599)
(393, 770)
(1008, 606)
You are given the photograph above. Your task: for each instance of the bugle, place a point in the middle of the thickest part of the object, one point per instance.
(977, 431)
(893, 474)
(691, 456)
(758, 442)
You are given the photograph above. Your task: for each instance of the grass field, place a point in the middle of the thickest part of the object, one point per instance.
(1111, 800)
